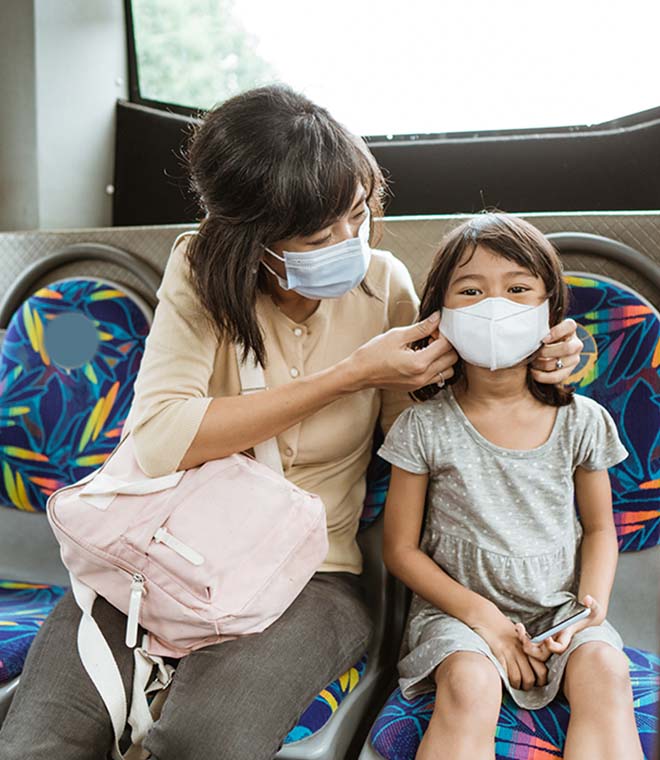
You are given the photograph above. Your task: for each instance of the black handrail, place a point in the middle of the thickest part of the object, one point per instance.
(23, 285)
(613, 250)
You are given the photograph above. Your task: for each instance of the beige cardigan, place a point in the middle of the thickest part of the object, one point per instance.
(185, 366)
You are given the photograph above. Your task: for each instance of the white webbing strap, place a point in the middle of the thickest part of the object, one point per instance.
(99, 662)
(101, 666)
(95, 654)
(103, 489)
(252, 379)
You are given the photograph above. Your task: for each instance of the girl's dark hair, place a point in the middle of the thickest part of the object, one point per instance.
(518, 241)
(267, 165)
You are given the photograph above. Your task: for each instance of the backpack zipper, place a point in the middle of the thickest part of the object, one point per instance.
(137, 589)
(163, 536)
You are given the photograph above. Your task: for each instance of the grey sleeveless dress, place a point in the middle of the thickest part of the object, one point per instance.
(502, 523)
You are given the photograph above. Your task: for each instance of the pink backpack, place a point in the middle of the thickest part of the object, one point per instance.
(196, 557)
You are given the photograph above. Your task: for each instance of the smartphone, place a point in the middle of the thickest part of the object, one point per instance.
(582, 613)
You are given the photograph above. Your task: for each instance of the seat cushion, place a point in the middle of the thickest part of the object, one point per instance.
(521, 734)
(68, 363)
(23, 608)
(326, 703)
(620, 368)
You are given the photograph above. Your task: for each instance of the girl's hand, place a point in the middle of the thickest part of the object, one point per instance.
(561, 344)
(559, 643)
(598, 613)
(500, 634)
(388, 361)
(540, 651)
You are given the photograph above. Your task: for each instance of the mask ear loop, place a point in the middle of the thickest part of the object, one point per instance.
(283, 282)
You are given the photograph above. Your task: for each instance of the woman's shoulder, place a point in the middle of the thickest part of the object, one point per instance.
(387, 273)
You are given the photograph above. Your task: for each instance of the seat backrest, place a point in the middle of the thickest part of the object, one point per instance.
(67, 366)
(620, 368)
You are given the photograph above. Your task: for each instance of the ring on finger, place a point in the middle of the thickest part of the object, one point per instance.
(440, 380)
(559, 364)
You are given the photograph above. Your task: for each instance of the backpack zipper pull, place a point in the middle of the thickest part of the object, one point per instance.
(137, 589)
(163, 536)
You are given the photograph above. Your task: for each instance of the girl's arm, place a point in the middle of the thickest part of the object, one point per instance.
(404, 514)
(599, 551)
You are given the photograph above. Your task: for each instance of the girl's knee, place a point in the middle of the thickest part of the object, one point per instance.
(597, 667)
(467, 681)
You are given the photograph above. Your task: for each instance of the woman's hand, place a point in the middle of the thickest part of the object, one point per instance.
(556, 360)
(388, 361)
(500, 634)
(559, 643)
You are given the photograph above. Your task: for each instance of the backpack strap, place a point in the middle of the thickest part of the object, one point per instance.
(252, 380)
(95, 653)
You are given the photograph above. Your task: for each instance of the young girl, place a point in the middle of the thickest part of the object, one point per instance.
(500, 460)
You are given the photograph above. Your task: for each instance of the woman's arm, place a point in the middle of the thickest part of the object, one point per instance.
(404, 513)
(236, 423)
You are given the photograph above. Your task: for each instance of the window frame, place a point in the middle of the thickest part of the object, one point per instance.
(625, 121)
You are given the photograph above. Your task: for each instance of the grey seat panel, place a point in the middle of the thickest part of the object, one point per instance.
(28, 549)
(387, 601)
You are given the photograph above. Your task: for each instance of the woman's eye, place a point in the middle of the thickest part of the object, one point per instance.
(319, 242)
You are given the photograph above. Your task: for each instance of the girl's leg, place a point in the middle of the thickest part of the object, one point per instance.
(597, 687)
(239, 699)
(56, 713)
(467, 706)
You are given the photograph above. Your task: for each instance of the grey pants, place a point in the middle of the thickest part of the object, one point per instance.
(230, 701)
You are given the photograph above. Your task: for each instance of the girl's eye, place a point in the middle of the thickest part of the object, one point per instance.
(470, 292)
(361, 214)
(518, 289)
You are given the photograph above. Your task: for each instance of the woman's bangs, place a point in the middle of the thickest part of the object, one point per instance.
(324, 189)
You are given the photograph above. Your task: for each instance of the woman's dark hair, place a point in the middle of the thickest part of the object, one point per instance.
(513, 239)
(267, 165)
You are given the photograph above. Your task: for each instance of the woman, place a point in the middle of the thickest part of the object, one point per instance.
(279, 180)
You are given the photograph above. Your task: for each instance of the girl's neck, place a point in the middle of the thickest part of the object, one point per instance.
(480, 386)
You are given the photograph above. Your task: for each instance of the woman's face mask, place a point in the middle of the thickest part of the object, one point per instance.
(327, 272)
(495, 332)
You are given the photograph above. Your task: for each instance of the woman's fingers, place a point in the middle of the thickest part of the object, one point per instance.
(567, 350)
(565, 329)
(555, 360)
(546, 371)
(419, 330)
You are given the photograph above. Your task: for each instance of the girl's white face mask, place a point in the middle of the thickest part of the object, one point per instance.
(495, 332)
(328, 272)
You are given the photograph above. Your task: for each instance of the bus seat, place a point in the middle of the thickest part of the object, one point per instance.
(328, 726)
(68, 362)
(619, 368)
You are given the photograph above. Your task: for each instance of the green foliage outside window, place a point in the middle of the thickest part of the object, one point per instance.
(195, 52)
